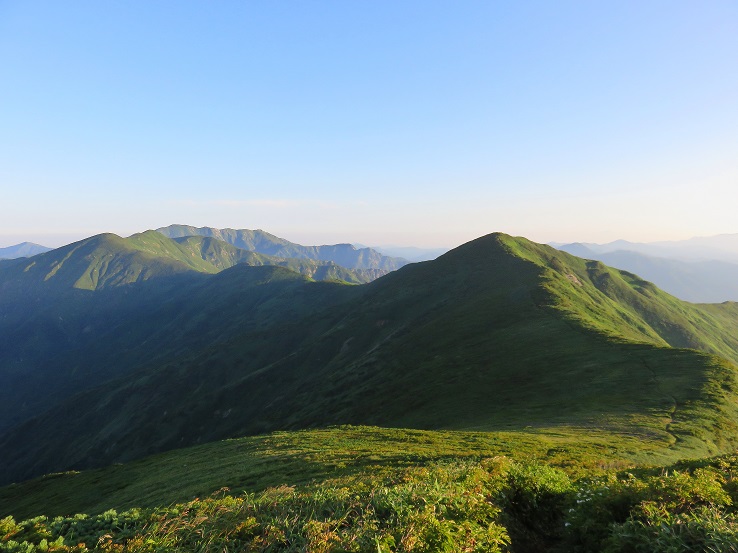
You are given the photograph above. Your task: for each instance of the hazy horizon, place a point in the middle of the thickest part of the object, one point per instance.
(55, 241)
(414, 124)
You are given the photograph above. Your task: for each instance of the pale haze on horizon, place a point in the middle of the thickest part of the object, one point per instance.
(416, 123)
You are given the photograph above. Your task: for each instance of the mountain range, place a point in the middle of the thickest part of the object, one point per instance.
(24, 249)
(48, 313)
(260, 241)
(702, 269)
(107, 260)
(698, 270)
(722, 247)
(113, 349)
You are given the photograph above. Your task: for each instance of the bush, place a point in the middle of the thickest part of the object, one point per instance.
(649, 513)
(659, 531)
(533, 498)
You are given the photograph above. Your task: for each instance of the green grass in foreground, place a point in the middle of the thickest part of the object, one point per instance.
(306, 457)
(493, 505)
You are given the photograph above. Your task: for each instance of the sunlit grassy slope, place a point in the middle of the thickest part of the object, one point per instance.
(501, 334)
(306, 457)
(368, 489)
(107, 260)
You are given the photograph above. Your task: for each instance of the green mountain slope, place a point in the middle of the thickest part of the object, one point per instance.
(498, 334)
(98, 262)
(259, 241)
(108, 260)
(62, 313)
(367, 489)
(222, 255)
(83, 338)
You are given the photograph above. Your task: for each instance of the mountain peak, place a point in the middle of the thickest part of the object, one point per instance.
(24, 249)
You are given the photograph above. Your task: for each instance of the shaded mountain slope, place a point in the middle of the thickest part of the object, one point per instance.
(65, 315)
(500, 333)
(260, 241)
(85, 338)
(46, 301)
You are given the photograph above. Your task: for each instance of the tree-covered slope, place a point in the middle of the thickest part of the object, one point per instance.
(500, 333)
(345, 255)
(81, 339)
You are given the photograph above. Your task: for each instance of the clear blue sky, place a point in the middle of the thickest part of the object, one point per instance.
(415, 123)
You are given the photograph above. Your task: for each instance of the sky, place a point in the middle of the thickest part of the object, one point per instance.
(417, 123)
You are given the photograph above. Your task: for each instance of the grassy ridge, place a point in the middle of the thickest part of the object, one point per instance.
(498, 335)
(300, 458)
(621, 305)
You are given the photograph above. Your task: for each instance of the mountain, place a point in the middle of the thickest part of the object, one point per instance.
(107, 260)
(498, 334)
(24, 249)
(259, 241)
(59, 308)
(102, 261)
(696, 281)
(723, 247)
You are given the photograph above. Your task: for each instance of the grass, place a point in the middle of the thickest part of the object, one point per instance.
(403, 499)
(301, 458)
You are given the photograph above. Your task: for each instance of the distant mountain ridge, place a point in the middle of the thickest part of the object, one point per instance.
(107, 260)
(263, 242)
(703, 270)
(24, 249)
(695, 281)
(722, 247)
